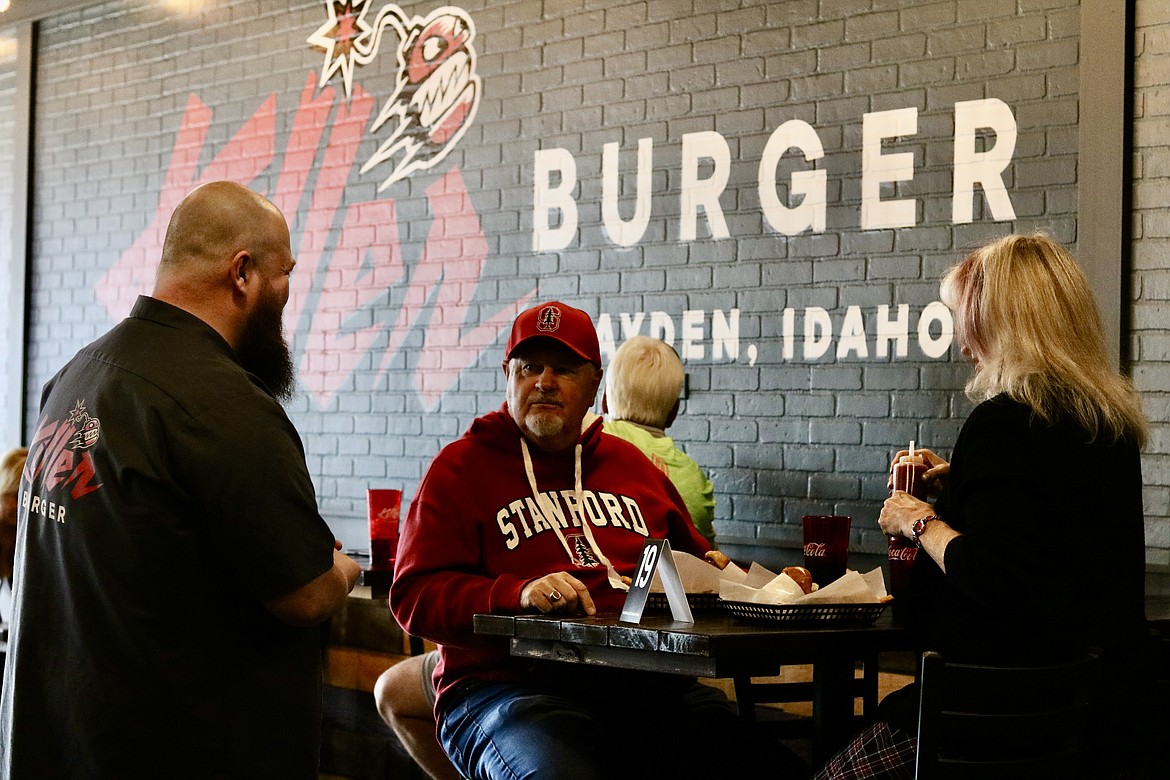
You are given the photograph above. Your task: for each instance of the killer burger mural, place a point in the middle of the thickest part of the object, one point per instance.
(361, 295)
(353, 294)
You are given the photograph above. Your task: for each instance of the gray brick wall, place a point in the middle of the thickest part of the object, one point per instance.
(782, 435)
(1151, 261)
(9, 293)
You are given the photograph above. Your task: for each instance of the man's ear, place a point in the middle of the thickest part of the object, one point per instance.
(241, 266)
(604, 402)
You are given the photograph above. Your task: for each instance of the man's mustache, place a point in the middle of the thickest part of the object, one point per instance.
(545, 399)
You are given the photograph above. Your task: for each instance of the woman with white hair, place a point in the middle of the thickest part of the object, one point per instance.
(643, 385)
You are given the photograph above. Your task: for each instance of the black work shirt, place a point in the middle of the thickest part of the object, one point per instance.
(165, 498)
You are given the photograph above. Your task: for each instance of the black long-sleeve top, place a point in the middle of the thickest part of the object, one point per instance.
(1052, 552)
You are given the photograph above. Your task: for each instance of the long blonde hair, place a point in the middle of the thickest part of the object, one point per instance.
(10, 467)
(1025, 312)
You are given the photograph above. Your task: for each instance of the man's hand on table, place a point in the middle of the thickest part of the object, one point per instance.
(558, 592)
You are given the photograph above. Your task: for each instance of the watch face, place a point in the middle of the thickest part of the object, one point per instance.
(920, 526)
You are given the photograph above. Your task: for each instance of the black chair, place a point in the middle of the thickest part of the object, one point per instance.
(1002, 722)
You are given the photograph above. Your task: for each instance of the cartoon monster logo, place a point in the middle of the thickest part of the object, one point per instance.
(59, 456)
(351, 264)
(437, 91)
(548, 319)
(88, 428)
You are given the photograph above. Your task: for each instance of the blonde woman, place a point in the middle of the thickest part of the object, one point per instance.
(1043, 489)
(10, 468)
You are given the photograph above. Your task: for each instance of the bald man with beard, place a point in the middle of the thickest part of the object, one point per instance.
(172, 560)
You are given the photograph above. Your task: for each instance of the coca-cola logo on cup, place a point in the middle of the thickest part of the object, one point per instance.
(897, 553)
(816, 550)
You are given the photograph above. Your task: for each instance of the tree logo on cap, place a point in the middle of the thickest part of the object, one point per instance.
(548, 319)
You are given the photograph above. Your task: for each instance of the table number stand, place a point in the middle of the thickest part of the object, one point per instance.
(656, 556)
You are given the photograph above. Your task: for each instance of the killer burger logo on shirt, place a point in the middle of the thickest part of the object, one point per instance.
(59, 458)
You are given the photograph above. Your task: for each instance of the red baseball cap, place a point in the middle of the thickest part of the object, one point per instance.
(558, 321)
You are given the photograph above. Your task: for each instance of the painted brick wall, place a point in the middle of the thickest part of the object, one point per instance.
(1151, 261)
(403, 291)
(9, 335)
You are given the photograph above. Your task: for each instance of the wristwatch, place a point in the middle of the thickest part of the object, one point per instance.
(920, 526)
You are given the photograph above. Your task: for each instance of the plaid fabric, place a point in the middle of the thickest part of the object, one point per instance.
(877, 752)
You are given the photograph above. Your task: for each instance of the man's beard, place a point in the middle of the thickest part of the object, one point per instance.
(544, 425)
(264, 352)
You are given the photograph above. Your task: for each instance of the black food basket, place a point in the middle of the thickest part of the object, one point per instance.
(852, 614)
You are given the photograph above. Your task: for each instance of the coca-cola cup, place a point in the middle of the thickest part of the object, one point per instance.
(384, 506)
(826, 546)
(908, 473)
(900, 555)
(901, 552)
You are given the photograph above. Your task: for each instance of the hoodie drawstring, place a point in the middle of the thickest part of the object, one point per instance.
(546, 506)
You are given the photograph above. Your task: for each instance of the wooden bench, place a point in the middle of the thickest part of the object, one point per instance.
(363, 641)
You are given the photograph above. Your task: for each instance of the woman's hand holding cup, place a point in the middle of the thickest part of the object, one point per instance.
(920, 474)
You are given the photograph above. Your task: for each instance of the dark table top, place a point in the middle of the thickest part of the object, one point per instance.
(715, 645)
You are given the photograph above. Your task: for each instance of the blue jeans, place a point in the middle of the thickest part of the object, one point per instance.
(510, 730)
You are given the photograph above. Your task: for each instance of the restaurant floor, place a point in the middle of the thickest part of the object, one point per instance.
(373, 751)
(897, 670)
(890, 680)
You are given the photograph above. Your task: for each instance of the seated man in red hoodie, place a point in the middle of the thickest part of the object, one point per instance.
(535, 510)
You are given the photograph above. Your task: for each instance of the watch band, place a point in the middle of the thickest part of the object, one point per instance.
(919, 527)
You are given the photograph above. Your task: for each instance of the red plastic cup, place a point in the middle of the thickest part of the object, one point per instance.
(908, 477)
(900, 552)
(826, 546)
(900, 555)
(384, 507)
